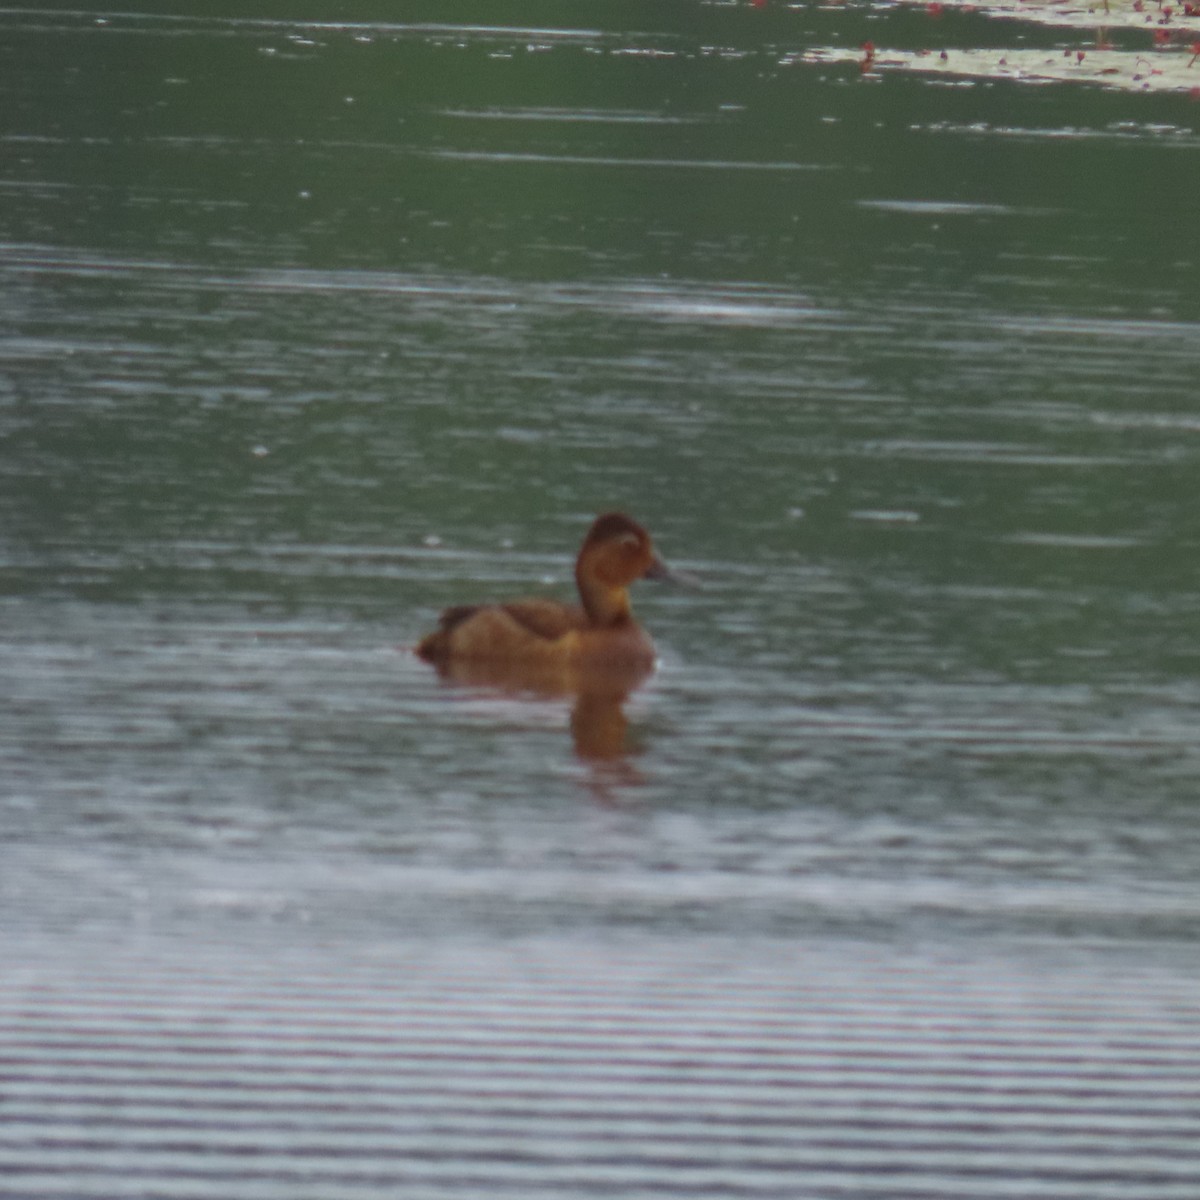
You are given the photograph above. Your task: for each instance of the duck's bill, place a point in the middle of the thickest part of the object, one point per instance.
(659, 571)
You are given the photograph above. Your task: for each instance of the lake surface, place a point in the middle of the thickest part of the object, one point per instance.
(313, 322)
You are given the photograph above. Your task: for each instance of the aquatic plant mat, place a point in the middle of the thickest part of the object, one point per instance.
(1131, 45)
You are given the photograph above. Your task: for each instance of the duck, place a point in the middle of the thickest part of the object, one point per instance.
(546, 636)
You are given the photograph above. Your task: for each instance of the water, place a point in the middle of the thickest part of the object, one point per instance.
(309, 327)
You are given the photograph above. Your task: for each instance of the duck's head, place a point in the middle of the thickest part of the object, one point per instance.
(616, 552)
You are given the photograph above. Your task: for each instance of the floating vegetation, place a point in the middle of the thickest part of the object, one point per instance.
(1132, 45)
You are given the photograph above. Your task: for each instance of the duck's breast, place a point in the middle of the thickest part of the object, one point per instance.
(626, 645)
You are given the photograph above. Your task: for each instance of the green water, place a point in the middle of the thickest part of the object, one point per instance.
(315, 319)
(316, 325)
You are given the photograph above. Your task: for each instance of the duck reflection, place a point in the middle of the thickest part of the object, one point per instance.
(599, 724)
(594, 652)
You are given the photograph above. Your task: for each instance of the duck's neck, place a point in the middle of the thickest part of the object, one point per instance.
(604, 604)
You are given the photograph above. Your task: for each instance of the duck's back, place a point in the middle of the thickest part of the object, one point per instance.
(517, 630)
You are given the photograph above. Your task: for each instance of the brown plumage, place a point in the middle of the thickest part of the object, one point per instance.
(598, 632)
